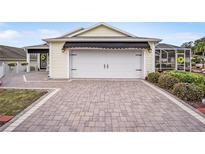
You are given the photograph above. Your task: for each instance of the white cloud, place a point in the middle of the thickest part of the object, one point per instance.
(44, 33)
(7, 35)
(27, 37)
(179, 38)
(2, 23)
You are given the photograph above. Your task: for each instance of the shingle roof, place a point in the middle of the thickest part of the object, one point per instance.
(8, 53)
(167, 46)
(45, 45)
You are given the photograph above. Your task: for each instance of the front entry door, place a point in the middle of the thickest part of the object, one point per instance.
(180, 61)
(43, 61)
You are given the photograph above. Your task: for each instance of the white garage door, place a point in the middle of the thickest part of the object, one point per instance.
(106, 64)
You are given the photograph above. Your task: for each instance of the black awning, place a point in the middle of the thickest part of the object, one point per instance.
(38, 50)
(114, 45)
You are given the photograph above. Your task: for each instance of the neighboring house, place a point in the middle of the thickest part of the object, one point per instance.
(101, 51)
(10, 54)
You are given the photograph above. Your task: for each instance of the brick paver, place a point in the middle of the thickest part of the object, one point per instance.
(99, 105)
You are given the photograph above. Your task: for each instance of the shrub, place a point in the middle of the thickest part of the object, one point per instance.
(24, 63)
(188, 77)
(188, 92)
(202, 87)
(153, 77)
(197, 59)
(167, 81)
(12, 64)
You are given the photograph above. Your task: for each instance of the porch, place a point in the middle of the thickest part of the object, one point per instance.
(42, 55)
(170, 57)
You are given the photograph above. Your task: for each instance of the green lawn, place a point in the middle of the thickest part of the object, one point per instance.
(13, 101)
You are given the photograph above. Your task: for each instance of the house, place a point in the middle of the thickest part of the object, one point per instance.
(100, 51)
(8, 53)
(16, 55)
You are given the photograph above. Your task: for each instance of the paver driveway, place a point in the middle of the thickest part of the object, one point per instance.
(97, 105)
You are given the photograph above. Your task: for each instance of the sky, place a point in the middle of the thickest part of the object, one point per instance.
(22, 34)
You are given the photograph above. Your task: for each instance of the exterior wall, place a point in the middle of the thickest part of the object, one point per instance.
(149, 59)
(2, 69)
(58, 61)
(102, 31)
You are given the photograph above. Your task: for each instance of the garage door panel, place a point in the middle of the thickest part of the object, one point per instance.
(118, 64)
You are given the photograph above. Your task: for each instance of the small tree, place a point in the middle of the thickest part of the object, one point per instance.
(200, 47)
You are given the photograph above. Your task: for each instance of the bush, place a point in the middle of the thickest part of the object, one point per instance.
(188, 77)
(197, 59)
(202, 87)
(188, 92)
(153, 77)
(12, 64)
(167, 81)
(24, 63)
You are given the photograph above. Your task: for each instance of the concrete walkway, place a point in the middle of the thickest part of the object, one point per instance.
(100, 105)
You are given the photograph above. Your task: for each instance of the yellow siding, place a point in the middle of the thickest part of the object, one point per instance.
(102, 31)
(59, 61)
(149, 61)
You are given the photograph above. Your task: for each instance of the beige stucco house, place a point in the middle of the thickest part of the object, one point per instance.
(100, 51)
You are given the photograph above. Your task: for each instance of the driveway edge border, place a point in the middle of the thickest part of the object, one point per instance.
(180, 103)
(47, 81)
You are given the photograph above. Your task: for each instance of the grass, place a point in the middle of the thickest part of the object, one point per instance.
(13, 101)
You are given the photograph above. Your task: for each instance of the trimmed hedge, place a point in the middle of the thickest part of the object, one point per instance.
(24, 63)
(153, 77)
(12, 64)
(188, 92)
(188, 77)
(167, 81)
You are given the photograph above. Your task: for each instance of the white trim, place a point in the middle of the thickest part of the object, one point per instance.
(68, 63)
(144, 64)
(38, 60)
(36, 47)
(181, 105)
(111, 39)
(28, 61)
(50, 64)
(190, 65)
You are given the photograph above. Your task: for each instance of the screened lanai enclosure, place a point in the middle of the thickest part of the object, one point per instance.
(171, 57)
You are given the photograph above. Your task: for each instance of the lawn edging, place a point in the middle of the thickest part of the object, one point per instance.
(183, 105)
(24, 114)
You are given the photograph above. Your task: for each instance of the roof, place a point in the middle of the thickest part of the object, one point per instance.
(111, 39)
(73, 36)
(115, 45)
(40, 46)
(12, 53)
(168, 46)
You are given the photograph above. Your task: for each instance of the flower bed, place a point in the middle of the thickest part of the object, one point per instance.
(187, 86)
